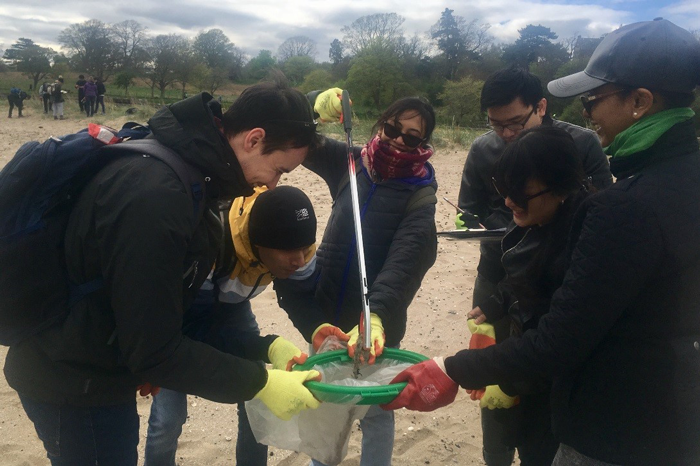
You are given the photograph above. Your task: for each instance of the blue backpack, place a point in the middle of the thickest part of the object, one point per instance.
(38, 188)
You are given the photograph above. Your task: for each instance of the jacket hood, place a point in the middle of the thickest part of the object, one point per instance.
(188, 127)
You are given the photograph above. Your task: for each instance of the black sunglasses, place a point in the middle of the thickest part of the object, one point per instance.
(520, 200)
(589, 100)
(409, 140)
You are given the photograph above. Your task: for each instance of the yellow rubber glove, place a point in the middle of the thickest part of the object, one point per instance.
(284, 354)
(285, 394)
(465, 221)
(376, 348)
(324, 331)
(494, 398)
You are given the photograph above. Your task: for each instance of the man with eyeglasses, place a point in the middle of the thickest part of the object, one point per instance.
(513, 100)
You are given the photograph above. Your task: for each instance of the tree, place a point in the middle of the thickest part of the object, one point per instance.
(377, 30)
(125, 79)
(533, 43)
(257, 68)
(296, 68)
(376, 78)
(30, 59)
(335, 53)
(216, 51)
(91, 46)
(458, 40)
(130, 44)
(297, 46)
(166, 52)
(191, 69)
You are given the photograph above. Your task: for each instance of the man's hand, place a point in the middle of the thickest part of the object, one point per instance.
(478, 315)
(466, 221)
(376, 346)
(284, 354)
(429, 387)
(148, 389)
(324, 331)
(285, 394)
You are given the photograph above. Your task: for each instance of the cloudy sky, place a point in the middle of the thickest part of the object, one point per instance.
(254, 25)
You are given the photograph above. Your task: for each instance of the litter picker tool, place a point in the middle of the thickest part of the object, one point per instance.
(362, 351)
(461, 211)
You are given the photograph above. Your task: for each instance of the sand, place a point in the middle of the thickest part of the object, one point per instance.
(436, 326)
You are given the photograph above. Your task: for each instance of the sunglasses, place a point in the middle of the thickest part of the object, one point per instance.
(588, 101)
(521, 200)
(409, 140)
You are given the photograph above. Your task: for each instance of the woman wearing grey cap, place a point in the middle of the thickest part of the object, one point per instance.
(622, 337)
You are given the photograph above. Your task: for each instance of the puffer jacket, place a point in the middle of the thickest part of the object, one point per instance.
(400, 247)
(132, 226)
(622, 337)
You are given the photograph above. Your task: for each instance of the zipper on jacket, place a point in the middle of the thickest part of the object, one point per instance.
(194, 268)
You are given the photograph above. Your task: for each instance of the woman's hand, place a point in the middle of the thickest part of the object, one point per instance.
(478, 315)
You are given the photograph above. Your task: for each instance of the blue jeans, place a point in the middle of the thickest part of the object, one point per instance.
(377, 438)
(79, 436)
(169, 408)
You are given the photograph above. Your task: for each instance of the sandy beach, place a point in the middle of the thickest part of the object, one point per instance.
(436, 326)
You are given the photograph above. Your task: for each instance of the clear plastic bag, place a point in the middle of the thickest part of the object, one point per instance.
(322, 433)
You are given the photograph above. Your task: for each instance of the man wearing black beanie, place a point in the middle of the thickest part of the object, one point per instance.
(271, 234)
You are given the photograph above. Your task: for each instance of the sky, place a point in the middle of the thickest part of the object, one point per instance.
(254, 25)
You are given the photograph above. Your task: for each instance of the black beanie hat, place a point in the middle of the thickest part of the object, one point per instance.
(282, 218)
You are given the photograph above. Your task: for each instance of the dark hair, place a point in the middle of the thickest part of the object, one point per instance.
(81, 76)
(504, 86)
(544, 153)
(284, 114)
(670, 99)
(419, 105)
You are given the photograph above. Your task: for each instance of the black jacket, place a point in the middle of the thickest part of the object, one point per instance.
(622, 336)
(132, 225)
(400, 247)
(478, 196)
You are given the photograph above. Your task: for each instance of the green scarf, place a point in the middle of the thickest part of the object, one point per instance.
(644, 133)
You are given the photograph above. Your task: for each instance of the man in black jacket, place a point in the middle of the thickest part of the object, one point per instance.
(513, 100)
(133, 227)
(622, 336)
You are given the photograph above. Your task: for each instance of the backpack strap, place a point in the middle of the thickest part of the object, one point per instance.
(423, 196)
(189, 175)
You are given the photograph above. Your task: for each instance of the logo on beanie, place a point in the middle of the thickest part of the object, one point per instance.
(302, 214)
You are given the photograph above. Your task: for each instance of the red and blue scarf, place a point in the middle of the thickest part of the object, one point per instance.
(380, 158)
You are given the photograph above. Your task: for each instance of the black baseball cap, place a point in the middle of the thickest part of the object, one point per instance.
(656, 55)
(282, 218)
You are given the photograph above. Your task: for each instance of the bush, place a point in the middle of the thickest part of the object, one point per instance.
(462, 103)
(317, 80)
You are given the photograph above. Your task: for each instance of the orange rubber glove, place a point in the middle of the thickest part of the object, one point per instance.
(324, 331)
(376, 348)
(483, 336)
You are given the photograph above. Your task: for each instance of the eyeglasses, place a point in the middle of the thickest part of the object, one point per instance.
(520, 200)
(409, 140)
(513, 127)
(589, 100)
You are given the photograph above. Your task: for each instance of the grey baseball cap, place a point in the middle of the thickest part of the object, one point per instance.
(656, 55)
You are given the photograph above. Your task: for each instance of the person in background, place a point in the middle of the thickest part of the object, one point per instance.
(621, 339)
(396, 188)
(80, 86)
(16, 98)
(57, 98)
(514, 101)
(90, 99)
(101, 91)
(45, 93)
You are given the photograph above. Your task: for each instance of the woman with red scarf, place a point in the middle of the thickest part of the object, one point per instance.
(396, 188)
